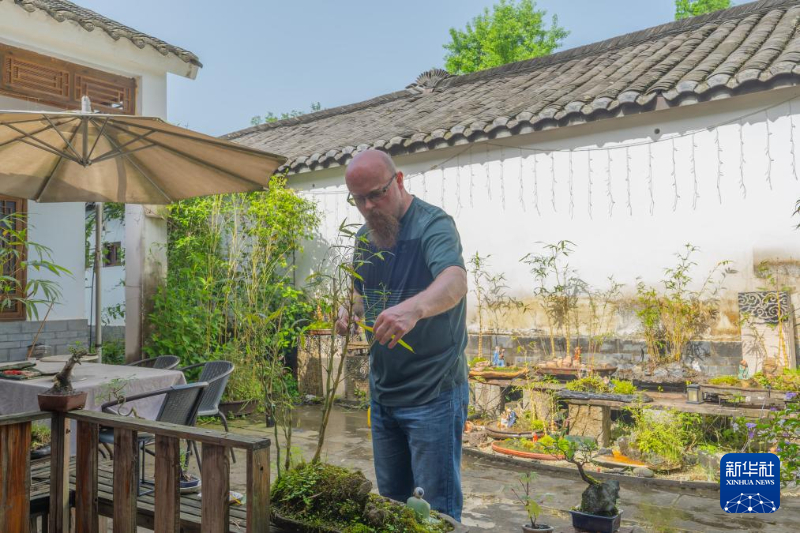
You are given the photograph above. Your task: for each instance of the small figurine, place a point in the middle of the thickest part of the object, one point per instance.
(502, 361)
(508, 418)
(421, 508)
(577, 356)
(496, 356)
(743, 370)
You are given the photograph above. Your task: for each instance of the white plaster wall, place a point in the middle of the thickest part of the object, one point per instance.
(60, 228)
(498, 213)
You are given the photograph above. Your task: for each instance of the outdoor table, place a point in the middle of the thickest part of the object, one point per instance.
(96, 380)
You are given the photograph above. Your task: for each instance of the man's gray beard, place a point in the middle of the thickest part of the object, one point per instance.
(383, 230)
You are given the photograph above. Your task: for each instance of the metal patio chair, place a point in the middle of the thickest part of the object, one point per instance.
(162, 362)
(180, 406)
(216, 374)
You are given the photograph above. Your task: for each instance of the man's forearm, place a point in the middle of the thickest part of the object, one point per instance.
(449, 287)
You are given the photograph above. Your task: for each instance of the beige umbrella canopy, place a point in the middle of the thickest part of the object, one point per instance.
(91, 157)
(85, 157)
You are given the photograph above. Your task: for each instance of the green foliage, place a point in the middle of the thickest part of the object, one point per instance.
(493, 303)
(114, 352)
(666, 434)
(725, 380)
(557, 288)
(692, 8)
(332, 498)
(230, 267)
(619, 386)
(680, 312)
(20, 258)
(271, 117)
(531, 503)
(511, 32)
(594, 383)
(40, 436)
(787, 380)
(781, 431)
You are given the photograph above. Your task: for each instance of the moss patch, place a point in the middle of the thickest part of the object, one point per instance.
(331, 498)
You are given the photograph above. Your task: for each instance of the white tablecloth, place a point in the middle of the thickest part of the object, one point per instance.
(95, 379)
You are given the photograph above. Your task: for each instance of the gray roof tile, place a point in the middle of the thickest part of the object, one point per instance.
(685, 62)
(62, 10)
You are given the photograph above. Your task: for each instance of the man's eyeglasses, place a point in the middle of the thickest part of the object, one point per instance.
(373, 196)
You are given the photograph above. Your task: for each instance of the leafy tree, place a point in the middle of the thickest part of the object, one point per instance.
(271, 117)
(511, 32)
(692, 8)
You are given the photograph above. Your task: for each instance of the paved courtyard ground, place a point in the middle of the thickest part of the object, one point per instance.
(489, 504)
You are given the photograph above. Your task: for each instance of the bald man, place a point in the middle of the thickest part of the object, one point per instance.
(415, 293)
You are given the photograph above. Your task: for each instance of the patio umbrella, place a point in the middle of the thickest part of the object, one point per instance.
(92, 157)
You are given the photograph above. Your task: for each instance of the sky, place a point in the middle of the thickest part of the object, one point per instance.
(263, 56)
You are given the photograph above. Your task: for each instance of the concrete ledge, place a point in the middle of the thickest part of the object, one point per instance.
(519, 465)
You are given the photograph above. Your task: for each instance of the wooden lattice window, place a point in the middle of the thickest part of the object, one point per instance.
(10, 261)
(60, 83)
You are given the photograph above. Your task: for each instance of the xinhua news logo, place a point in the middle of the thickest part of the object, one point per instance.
(750, 483)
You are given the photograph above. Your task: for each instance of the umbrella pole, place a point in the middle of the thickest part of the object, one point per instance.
(98, 291)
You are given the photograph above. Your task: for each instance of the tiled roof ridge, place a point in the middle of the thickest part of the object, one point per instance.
(620, 41)
(62, 10)
(316, 115)
(752, 47)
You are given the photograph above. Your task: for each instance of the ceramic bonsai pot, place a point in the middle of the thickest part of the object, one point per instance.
(40, 453)
(540, 528)
(189, 483)
(61, 403)
(238, 408)
(596, 523)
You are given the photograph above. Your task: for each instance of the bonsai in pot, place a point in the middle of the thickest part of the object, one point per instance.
(61, 397)
(532, 505)
(40, 441)
(598, 509)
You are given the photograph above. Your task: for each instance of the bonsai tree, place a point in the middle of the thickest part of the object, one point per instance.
(531, 504)
(62, 382)
(600, 497)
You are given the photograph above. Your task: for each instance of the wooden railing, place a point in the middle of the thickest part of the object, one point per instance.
(15, 476)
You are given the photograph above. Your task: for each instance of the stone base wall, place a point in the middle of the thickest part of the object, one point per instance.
(713, 358)
(15, 337)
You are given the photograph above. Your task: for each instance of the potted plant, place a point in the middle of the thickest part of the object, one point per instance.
(598, 509)
(61, 397)
(244, 391)
(532, 506)
(40, 441)
(323, 498)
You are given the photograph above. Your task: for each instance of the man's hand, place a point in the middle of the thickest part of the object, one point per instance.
(344, 322)
(396, 322)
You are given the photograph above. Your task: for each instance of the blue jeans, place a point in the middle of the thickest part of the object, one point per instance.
(420, 446)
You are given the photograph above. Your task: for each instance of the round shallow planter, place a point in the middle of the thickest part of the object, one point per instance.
(40, 453)
(190, 485)
(494, 430)
(238, 408)
(496, 374)
(526, 455)
(597, 523)
(61, 403)
(301, 527)
(540, 528)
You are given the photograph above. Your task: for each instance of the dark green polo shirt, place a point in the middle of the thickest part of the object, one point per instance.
(427, 244)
